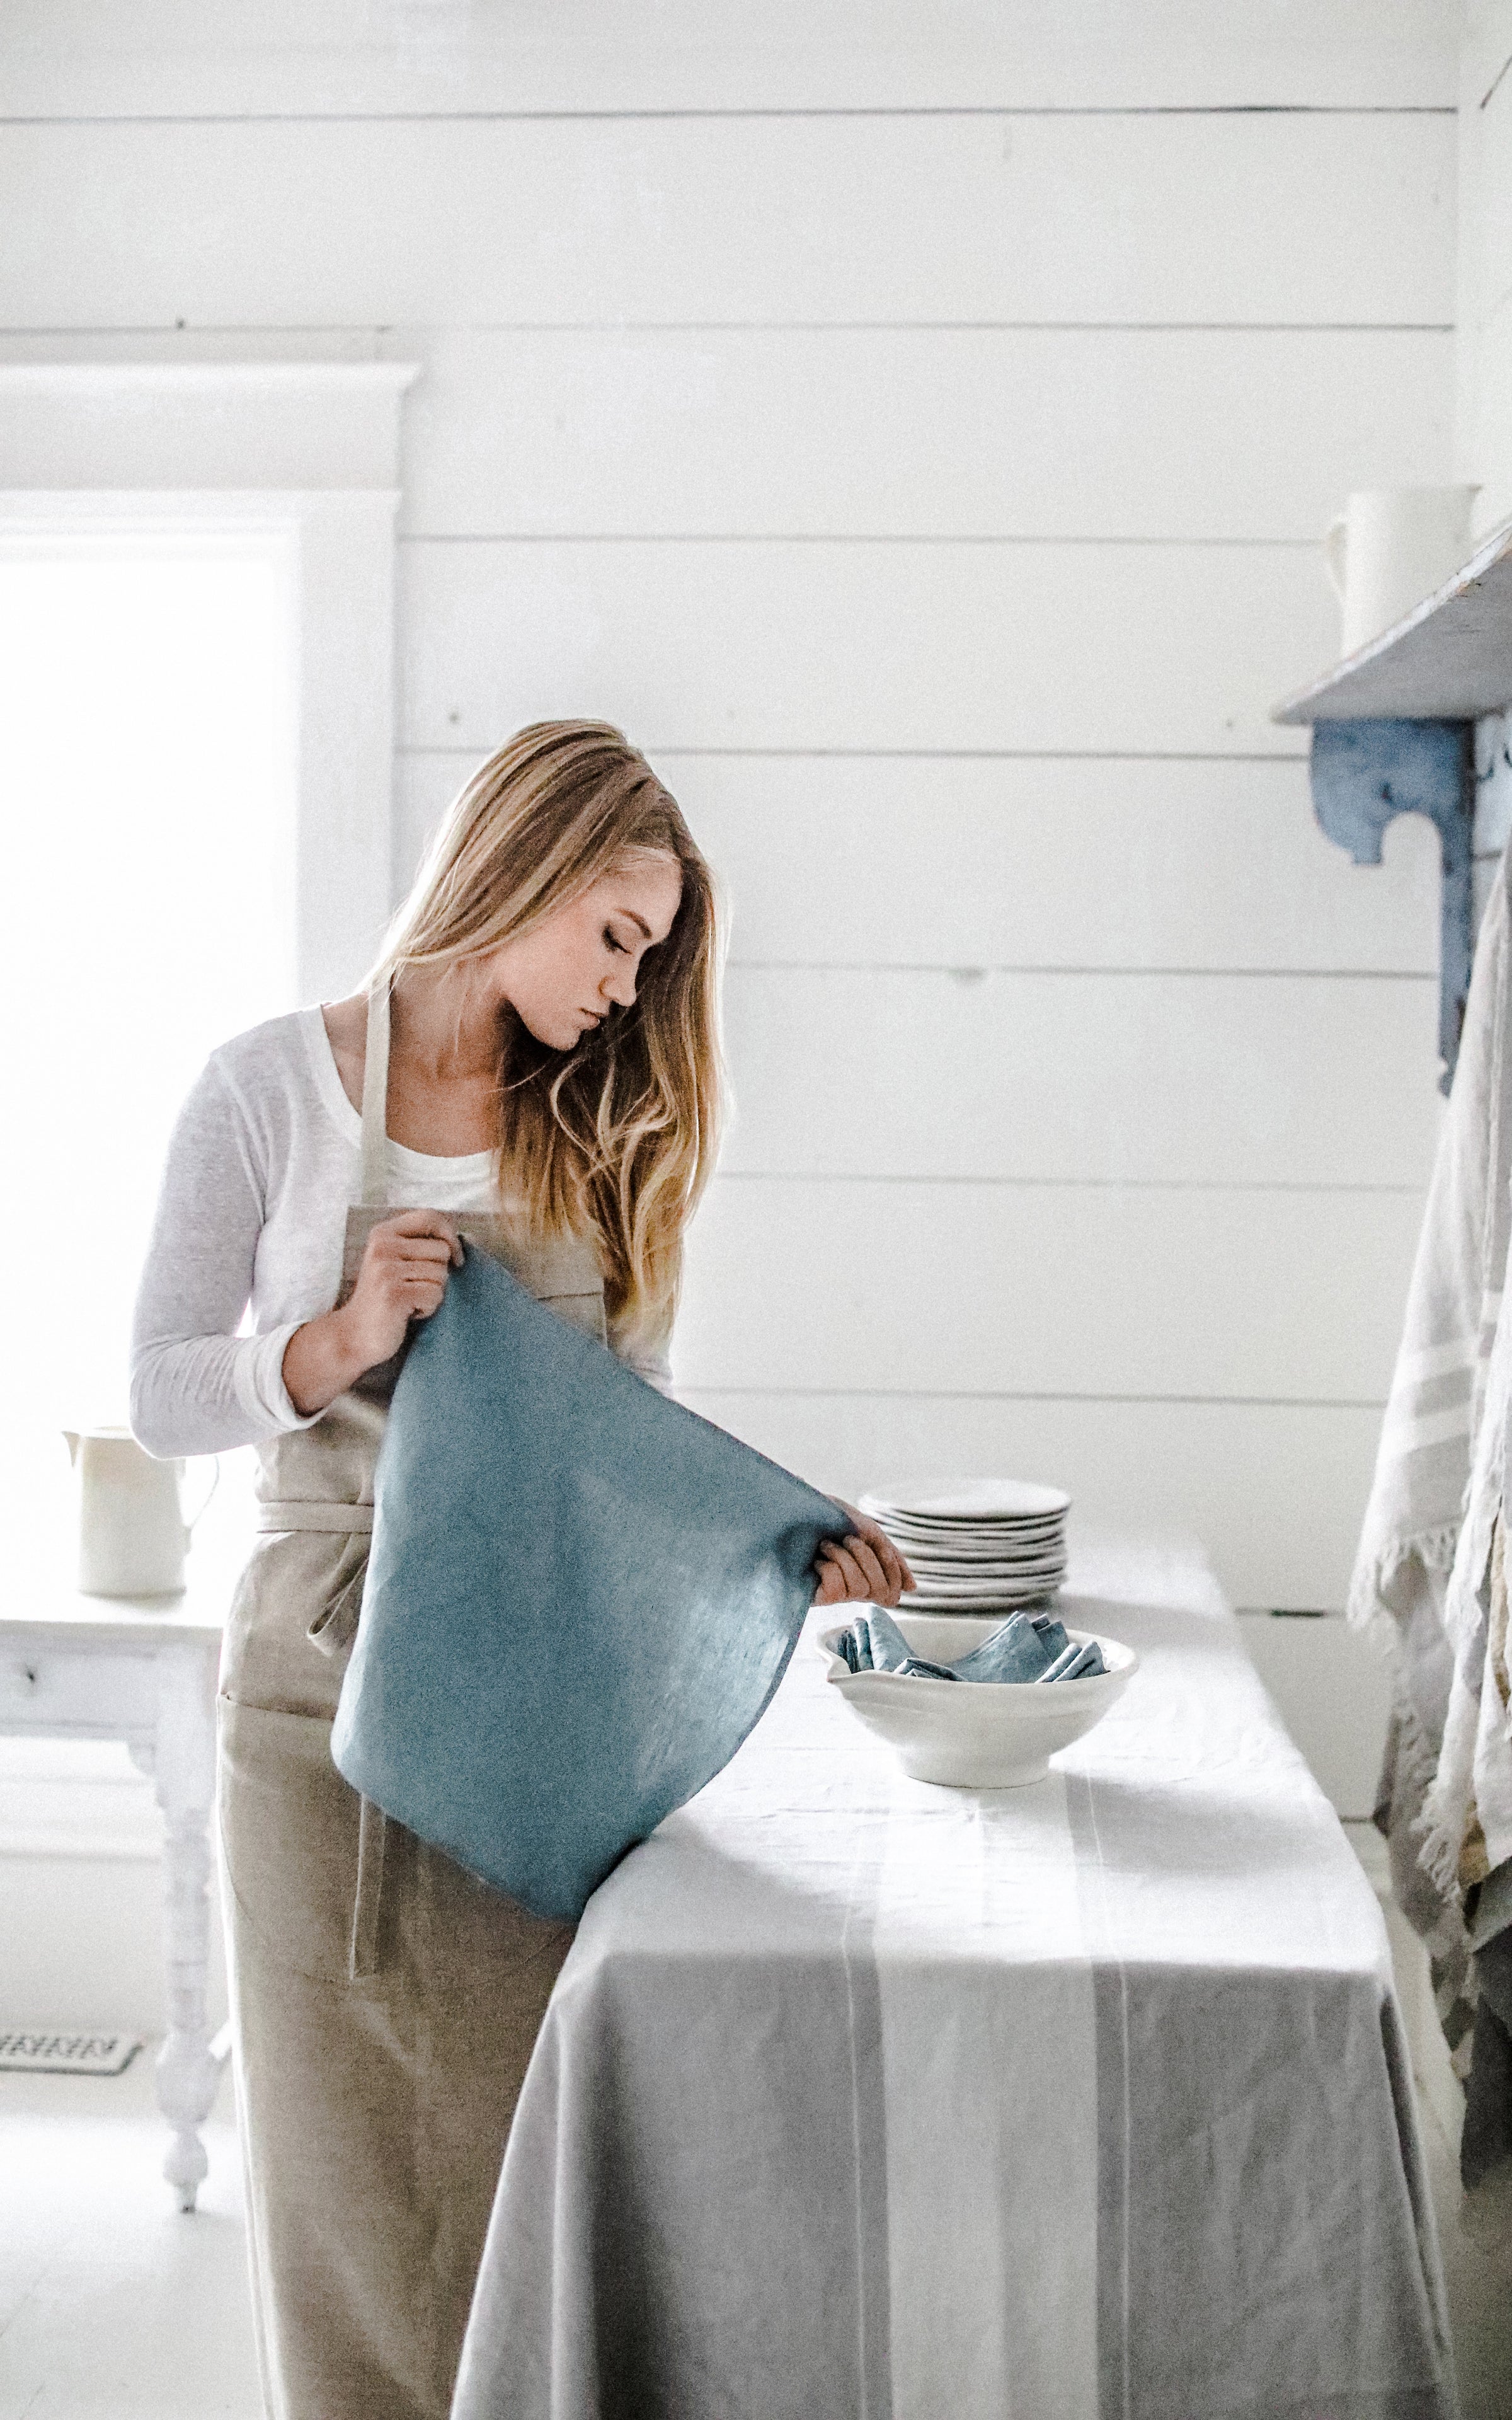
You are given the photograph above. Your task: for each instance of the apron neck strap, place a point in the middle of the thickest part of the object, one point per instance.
(376, 1100)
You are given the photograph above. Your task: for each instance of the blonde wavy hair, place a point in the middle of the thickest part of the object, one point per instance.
(616, 1138)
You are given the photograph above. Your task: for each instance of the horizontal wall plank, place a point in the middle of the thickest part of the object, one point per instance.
(1032, 432)
(50, 345)
(1485, 47)
(1485, 313)
(1111, 1078)
(1485, 264)
(1277, 1493)
(63, 58)
(1485, 301)
(900, 643)
(1488, 453)
(1046, 1290)
(1027, 862)
(1297, 218)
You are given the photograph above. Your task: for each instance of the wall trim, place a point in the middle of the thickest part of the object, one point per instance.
(221, 425)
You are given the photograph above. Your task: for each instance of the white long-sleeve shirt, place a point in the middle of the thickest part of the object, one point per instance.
(264, 1162)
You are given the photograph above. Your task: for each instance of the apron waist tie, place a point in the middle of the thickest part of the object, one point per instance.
(315, 1514)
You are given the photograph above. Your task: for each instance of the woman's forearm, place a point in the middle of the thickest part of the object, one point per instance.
(199, 1383)
(206, 1394)
(321, 1360)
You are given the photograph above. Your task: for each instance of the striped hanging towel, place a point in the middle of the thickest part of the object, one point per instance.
(1421, 1571)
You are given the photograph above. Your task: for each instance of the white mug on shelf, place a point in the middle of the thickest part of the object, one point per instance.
(1389, 549)
(131, 1531)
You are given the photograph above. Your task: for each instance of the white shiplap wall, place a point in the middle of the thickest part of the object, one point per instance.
(1484, 417)
(916, 427)
(1485, 259)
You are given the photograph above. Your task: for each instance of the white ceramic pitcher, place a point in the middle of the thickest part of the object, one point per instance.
(1389, 549)
(132, 1532)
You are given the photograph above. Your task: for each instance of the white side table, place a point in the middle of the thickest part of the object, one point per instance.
(142, 1669)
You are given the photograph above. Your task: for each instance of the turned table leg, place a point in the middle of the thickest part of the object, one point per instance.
(183, 1767)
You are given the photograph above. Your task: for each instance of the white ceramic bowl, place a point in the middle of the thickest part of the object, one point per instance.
(975, 1734)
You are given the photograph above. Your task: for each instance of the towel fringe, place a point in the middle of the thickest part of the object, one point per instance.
(1367, 1606)
(1439, 1846)
(1417, 1758)
(1441, 1825)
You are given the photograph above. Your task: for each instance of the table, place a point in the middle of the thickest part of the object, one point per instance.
(858, 2096)
(142, 1669)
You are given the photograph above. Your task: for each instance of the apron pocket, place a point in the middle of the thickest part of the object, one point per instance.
(290, 1831)
(334, 1626)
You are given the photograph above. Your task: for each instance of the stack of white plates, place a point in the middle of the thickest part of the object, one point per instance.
(988, 1546)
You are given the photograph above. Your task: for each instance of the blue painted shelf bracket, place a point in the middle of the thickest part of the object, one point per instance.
(1364, 774)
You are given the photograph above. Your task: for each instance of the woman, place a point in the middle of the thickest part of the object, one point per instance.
(533, 1066)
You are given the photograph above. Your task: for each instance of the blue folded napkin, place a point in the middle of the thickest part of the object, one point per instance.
(874, 1643)
(1077, 1663)
(1027, 1647)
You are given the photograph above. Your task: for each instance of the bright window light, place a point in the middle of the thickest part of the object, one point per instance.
(147, 774)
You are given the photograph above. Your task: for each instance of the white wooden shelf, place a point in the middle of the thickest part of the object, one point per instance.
(1449, 660)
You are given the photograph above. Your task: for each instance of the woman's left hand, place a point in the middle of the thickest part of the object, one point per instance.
(865, 1568)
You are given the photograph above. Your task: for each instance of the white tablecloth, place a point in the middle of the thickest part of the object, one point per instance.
(863, 2097)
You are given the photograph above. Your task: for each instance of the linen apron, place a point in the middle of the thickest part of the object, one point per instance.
(385, 2001)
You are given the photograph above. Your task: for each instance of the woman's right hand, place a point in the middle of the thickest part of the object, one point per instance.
(403, 1277)
(405, 1266)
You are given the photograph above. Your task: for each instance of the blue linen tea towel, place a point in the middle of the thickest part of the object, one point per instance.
(579, 1599)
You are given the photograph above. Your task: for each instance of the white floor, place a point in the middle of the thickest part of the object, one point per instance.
(1480, 2293)
(1478, 2278)
(113, 2306)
